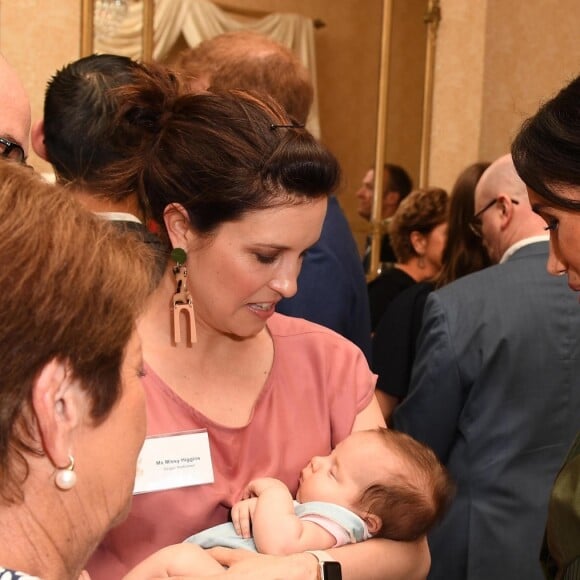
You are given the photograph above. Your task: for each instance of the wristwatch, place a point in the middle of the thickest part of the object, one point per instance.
(328, 567)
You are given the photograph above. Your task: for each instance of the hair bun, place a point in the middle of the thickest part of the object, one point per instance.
(147, 119)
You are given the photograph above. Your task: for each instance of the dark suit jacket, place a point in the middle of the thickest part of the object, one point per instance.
(332, 287)
(384, 289)
(395, 339)
(387, 253)
(495, 390)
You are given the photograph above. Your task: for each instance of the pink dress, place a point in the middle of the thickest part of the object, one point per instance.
(318, 383)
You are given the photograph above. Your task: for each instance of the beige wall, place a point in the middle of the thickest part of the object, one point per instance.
(405, 88)
(37, 37)
(458, 87)
(532, 50)
(495, 61)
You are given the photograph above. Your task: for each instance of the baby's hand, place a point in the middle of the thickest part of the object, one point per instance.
(242, 514)
(257, 486)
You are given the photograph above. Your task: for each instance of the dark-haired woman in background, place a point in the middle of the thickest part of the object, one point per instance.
(546, 154)
(396, 335)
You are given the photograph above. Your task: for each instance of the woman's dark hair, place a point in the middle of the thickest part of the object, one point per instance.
(546, 151)
(220, 154)
(463, 252)
(398, 180)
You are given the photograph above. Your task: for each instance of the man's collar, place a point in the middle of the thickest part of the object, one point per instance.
(118, 216)
(525, 242)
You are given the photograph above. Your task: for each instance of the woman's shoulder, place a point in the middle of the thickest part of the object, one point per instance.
(391, 275)
(301, 342)
(290, 327)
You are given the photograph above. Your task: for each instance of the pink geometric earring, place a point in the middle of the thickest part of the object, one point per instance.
(66, 478)
(182, 301)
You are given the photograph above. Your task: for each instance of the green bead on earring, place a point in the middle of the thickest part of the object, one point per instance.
(179, 255)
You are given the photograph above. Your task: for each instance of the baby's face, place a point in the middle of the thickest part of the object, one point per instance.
(341, 477)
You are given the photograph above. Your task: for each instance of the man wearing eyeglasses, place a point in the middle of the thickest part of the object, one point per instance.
(494, 390)
(14, 115)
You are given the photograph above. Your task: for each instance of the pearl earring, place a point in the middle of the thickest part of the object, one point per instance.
(66, 478)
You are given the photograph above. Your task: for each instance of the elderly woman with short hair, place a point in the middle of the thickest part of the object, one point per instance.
(72, 410)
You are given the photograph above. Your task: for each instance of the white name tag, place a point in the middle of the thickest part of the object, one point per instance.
(171, 461)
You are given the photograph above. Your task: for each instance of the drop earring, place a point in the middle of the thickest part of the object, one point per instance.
(182, 301)
(66, 478)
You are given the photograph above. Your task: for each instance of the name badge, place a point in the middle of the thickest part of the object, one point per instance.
(172, 461)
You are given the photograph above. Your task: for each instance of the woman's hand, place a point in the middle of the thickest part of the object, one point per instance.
(243, 564)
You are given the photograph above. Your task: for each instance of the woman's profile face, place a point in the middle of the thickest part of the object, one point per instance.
(108, 456)
(564, 229)
(237, 278)
(436, 239)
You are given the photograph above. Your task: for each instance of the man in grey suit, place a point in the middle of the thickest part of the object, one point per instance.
(495, 390)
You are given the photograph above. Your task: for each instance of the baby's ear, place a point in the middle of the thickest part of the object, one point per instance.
(373, 522)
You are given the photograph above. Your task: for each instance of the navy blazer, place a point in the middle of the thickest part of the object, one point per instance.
(495, 391)
(332, 288)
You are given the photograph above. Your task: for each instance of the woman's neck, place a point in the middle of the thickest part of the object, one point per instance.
(219, 375)
(156, 331)
(37, 537)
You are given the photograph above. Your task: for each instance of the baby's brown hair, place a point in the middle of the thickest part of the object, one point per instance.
(409, 503)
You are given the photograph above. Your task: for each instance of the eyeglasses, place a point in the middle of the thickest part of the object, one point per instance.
(475, 222)
(11, 150)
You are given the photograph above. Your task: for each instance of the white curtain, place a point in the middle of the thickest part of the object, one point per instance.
(198, 20)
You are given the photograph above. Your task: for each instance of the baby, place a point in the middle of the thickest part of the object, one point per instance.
(376, 483)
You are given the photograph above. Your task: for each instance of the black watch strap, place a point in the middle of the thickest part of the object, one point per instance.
(328, 567)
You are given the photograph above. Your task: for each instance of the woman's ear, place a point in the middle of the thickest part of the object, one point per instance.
(58, 406)
(37, 139)
(418, 241)
(373, 522)
(177, 224)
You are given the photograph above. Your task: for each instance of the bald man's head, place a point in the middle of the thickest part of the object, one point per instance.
(500, 177)
(15, 108)
(502, 209)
